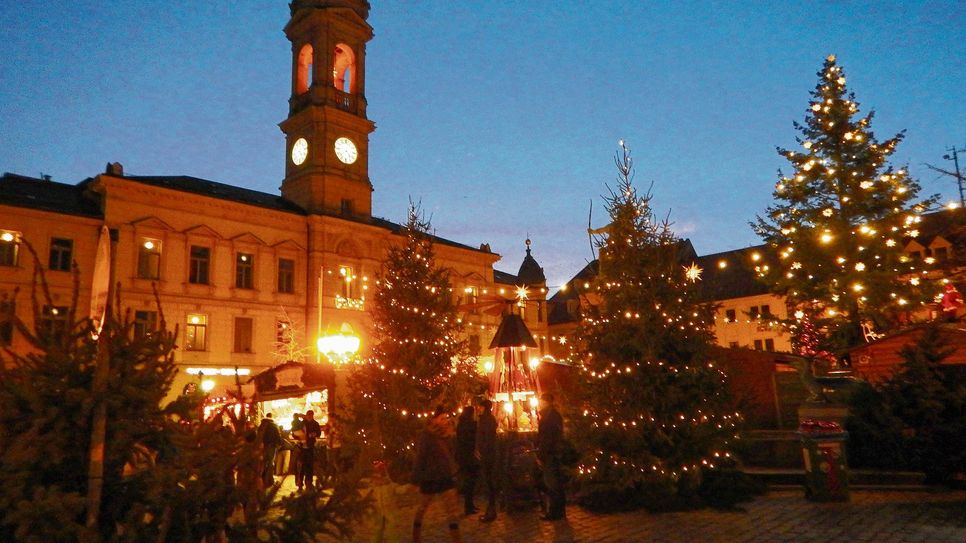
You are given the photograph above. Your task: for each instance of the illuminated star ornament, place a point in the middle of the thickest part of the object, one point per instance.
(693, 272)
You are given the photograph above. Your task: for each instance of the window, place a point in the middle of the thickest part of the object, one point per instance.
(766, 311)
(474, 346)
(149, 258)
(731, 316)
(53, 322)
(758, 345)
(733, 344)
(343, 67)
(539, 311)
(754, 312)
(472, 294)
(198, 266)
(941, 253)
(243, 335)
(9, 247)
(303, 70)
(347, 289)
(346, 206)
(145, 323)
(8, 310)
(196, 333)
(61, 250)
(244, 270)
(286, 275)
(283, 332)
(770, 345)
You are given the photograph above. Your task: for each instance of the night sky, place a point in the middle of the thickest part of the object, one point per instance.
(501, 117)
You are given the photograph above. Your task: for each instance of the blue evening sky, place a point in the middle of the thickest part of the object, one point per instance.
(502, 117)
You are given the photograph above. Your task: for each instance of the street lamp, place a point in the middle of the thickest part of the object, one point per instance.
(339, 346)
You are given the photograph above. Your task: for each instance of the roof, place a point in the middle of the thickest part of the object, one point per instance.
(530, 272)
(737, 279)
(33, 193)
(504, 277)
(29, 192)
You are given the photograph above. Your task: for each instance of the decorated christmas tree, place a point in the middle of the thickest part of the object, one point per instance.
(840, 219)
(654, 414)
(418, 358)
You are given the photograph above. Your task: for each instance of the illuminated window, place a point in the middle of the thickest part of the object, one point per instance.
(286, 275)
(9, 247)
(196, 333)
(149, 258)
(243, 335)
(303, 70)
(53, 322)
(343, 68)
(198, 265)
(348, 288)
(244, 270)
(145, 323)
(472, 295)
(283, 332)
(61, 251)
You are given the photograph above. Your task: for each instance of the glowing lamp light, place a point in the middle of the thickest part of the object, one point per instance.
(195, 319)
(508, 407)
(826, 237)
(755, 257)
(488, 366)
(534, 362)
(207, 385)
(6, 236)
(722, 264)
(533, 401)
(149, 245)
(339, 345)
(799, 314)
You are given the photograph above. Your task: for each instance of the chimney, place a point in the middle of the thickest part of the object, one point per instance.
(114, 168)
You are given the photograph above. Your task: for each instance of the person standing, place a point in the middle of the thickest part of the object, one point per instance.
(469, 467)
(433, 472)
(298, 435)
(549, 451)
(271, 441)
(312, 432)
(486, 449)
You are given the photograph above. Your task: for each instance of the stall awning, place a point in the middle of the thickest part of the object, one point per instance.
(293, 379)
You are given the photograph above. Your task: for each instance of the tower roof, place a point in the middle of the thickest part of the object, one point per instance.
(361, 7)
(530, 272)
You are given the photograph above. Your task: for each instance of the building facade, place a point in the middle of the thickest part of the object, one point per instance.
(250, 279)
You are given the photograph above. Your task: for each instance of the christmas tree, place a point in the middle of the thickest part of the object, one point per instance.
(167, 476)
(654, 414)
(839, 221)
(417, 361)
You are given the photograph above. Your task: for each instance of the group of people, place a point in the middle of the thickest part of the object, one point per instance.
(306, 432)
(468, 452)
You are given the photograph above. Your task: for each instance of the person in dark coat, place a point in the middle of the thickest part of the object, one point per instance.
(549, 452)
(466, 461)
(298, 435)
(486, 450)
(433, 471)
(271, 438)
(312, 432)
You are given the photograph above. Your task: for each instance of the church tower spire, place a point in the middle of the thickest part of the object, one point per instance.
(327, 131)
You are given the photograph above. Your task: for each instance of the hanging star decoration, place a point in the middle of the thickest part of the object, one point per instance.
(693, 272)
(522, 295)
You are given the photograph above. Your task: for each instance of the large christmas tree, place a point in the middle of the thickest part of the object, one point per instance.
(654, 414)
(839, 220)
(417, 361)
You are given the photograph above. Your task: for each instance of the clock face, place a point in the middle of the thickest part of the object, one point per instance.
(345, 150)
(300, 151)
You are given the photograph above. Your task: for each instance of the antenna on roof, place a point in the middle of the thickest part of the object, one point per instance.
(45, 176)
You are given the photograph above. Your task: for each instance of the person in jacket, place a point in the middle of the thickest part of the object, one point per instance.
(486, 450)
(466, 460)
(271, 438)
(312, 432)
(549, 452)
(433, 471)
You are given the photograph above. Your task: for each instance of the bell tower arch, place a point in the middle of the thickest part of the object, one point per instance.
(327, 131)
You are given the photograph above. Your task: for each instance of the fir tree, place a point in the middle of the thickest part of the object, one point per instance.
(418, 358)
(839, 220)
(655, 413)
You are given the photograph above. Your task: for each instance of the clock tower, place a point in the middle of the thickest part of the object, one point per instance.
(327, 132)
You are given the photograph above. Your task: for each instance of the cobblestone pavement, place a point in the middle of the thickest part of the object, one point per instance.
(783, 515)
